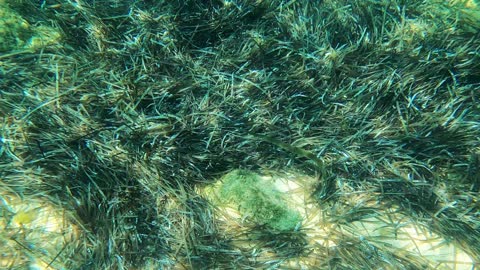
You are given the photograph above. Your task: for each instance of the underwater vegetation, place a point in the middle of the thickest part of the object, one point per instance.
(16, 33)
(240, 134)
(257, 199)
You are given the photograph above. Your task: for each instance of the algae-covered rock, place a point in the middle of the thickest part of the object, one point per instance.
(16, 33)
(257, 199)
(14, 30)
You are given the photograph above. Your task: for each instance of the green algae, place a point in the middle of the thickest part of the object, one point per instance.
(17, 34)
(14, 30)
(258, 200)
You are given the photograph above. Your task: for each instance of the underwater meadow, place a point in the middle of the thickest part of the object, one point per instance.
(239, 134)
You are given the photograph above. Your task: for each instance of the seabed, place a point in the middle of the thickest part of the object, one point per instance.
(243, 134)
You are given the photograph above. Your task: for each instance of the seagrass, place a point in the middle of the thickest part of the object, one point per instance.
(119, 118)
